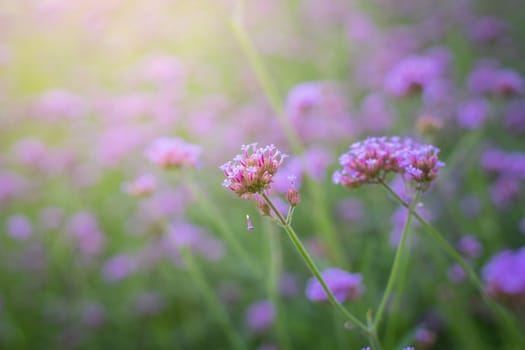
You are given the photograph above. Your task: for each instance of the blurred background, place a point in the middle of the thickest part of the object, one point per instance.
(91, 230)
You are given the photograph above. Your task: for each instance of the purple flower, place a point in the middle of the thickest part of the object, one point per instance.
(515, 117)
(472, 114)
(488, 78)
(252, 172)
(181, 234)
(260, 315)
(470, 246)
(504, 191)
(173, 153)
(318, 110)
(344, 286)
(371, 160)
(413, 74)
(19, 227)
(141, 186)
(487, 29)
(504, 275)
(83, 228)
(119, 267)
(456, 273)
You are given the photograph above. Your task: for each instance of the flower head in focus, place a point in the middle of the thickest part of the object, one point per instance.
(344, 285)
(371, 160)
(173, 153)
(252, 171)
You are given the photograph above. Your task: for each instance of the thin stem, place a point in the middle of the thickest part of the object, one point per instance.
(274, 274)
(214, 304)
(313, 268)
(261, 72)
(501, 312)
(394, 272)
(221, 225)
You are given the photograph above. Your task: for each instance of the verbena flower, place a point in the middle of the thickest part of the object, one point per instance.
(504, 275)
(251, 172)
(260, 315)
(344, 285)
(141, 186)
(173, 153)
(371, 160)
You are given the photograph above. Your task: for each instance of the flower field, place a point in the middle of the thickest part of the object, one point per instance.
(269, 175)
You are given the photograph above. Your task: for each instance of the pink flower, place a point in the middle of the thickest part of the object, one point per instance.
(173, 153)
(142, 186)
(344, 286)
(252, 172)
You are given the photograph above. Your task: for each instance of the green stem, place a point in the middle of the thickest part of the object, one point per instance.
(502, 313)
(394, 272)
(313, 268)
(221, 225)
(261, 72)
(274, 274)
(214, 304)
(325, 226)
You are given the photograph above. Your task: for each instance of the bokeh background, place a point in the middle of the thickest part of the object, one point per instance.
(87, 86)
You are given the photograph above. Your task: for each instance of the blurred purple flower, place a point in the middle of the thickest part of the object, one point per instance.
(318, 111)
(376, 114)
(487, 29)
(412, 75)
(456, 274)
(344, 286)
(19, 227)
(504, 275)
(424, 337)
(504, 191)
(119, 267)
(173, 153)
(488, 78)
(472, 114)
(508, 164)
(83, 228)
(470, 246)
(260, 315)
(470, 205)
(515, 117)
(141, 186)
(197, 239)
(12, 185)
(56, 105)
(288, 285)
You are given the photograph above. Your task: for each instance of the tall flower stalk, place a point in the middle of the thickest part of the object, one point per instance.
(249, 176)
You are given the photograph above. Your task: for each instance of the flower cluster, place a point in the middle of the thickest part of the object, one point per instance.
(344, 286)
(252, 171)
(173, 153)
(371, 160)
(505, 276)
